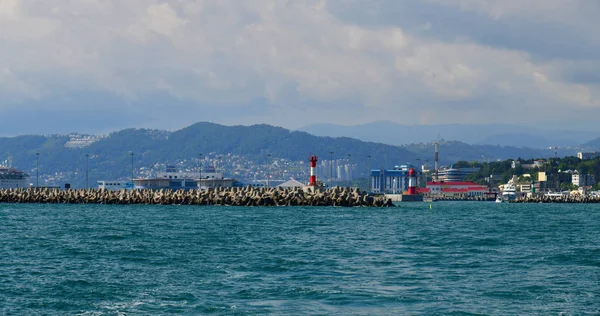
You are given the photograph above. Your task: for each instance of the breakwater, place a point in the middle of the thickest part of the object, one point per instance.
(557, 199)
(246, 196)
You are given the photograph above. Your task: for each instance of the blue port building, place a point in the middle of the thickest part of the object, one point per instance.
(392, 181)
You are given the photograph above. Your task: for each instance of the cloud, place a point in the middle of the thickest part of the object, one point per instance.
(292, 63)
(159, 19)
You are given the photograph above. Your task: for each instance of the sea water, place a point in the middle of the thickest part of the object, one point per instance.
(458, 258)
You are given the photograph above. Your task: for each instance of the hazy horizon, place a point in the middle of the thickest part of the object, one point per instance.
(304, 128)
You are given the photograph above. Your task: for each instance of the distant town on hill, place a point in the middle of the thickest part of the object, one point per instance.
(240, 152)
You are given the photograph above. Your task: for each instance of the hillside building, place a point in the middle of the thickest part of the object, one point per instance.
(536, 164)
(81, 141)
(588, 155)
(582, 180)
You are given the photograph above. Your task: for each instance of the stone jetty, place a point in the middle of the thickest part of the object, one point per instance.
(557, 199)
(247, 196)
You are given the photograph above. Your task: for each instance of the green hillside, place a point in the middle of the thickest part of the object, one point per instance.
(109, 157)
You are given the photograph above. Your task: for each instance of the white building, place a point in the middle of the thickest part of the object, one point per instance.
(114, 185)
(582, 180)
(81, 141)
(292, 183)
(582, 155)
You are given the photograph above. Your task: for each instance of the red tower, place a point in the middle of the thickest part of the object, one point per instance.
(412, 181)
(313, 166)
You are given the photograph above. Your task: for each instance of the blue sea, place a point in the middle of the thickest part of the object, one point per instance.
(455, 258)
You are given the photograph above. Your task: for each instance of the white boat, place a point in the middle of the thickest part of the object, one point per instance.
(498, 199)
(11, 178)
(509, 192)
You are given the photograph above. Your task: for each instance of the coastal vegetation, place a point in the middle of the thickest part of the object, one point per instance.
(558, 170)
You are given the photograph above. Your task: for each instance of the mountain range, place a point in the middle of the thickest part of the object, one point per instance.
(475, 134)
(110, 158)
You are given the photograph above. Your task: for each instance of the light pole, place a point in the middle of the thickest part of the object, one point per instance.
(217, 159)
(87, 156)
(348, 173)
(131, 153)
(369, 174)
(37, 170)
(421, 171)
(220, 164)
(268, 169)
(426, 172)
(330, 167)
(200, 165)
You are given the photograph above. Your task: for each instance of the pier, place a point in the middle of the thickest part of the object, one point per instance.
(246, 196)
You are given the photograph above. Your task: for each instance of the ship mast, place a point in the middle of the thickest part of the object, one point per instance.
(8, 161)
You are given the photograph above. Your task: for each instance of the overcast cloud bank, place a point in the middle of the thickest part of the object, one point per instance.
(99, 65)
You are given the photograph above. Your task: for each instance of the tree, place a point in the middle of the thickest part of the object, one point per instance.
(568, 186)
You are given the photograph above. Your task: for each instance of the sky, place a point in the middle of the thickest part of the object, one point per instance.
(95, 66)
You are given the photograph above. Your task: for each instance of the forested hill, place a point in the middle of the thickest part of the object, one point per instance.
(256, 141)
(109, 156)
(453, 151)
(593, 144)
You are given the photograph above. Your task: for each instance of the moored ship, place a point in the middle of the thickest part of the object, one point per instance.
(12, 178)
(509, 192)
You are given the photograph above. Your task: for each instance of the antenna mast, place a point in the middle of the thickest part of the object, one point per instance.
(435, 160)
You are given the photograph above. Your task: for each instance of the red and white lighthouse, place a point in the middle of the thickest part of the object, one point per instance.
(313, 173)
(412, 181)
